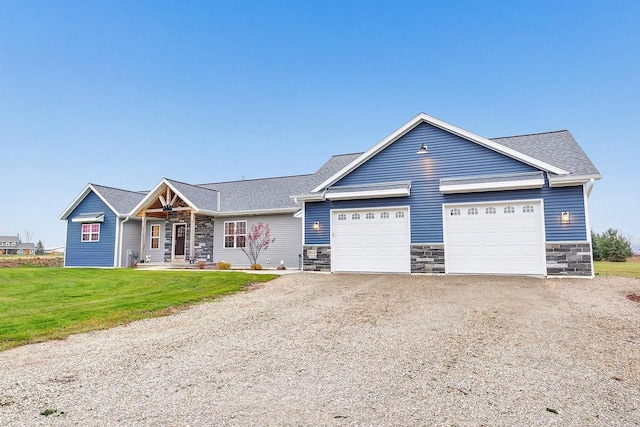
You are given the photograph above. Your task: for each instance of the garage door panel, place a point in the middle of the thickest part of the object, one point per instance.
(373, 240)
(494, 238)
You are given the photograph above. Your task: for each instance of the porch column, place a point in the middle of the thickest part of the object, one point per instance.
(142, 235)
(192, 236)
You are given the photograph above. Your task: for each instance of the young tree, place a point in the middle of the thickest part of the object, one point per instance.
(39, 248)
(597, 255)
(257, 241)
(613, 246)
(28, 235)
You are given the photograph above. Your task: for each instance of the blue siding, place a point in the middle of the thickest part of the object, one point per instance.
(449, 156)
(91, 254)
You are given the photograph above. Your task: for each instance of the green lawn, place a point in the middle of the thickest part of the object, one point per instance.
(624, 269)
(38, 304)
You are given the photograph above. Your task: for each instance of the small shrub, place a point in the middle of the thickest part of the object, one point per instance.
(611, 246)
(256, 266)
(224, 265)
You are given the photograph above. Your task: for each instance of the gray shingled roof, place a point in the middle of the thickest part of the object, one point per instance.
(9, 239)
(202, 198)
(274, 193)
(123, 201)
(557, 148)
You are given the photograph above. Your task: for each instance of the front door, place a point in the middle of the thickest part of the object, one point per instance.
(180, 232)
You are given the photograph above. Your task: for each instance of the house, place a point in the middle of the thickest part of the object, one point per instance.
(181, 222)
(429, 198)
(11, 245)
(435, 198)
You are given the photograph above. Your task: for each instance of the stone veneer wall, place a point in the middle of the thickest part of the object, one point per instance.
(569, 259)
(427, 258)
(322, 261)
(204, 238)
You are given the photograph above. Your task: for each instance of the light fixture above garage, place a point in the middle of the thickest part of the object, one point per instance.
(422, 149)
(316, 225)
(565, 218)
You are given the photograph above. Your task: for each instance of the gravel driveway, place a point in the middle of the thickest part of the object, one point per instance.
(343, 350)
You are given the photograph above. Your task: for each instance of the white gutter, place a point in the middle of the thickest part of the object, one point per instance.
(592, 183)
(127, 218)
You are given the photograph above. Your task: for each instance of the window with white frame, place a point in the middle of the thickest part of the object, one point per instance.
(370, 215)
(490, 210)
(472, 211)
(342, 217)
(528, 209)
(509, 210)
(355, 216)
(90, 232)
(235, 234)
(384, 215)
(155, 236)
(399, 214)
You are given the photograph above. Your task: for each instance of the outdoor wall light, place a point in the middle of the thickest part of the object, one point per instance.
(316, 226)
(565, 218)
(422, 149)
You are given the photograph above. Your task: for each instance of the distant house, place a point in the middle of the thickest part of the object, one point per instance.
(429, 198)
(11, 245)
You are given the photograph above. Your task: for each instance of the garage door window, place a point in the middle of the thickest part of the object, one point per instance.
(399, 214)
(455, 212)
(370, 216)
(355, 217)
(342, 217)
(472, 211)
(528, 209)
(509, 210)
(384, 215)
(490, 211)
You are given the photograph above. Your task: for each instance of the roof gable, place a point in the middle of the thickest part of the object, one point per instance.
(201, 200)
(424, 118)
(117, 200)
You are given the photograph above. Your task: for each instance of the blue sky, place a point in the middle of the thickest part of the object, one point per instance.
(125, 93)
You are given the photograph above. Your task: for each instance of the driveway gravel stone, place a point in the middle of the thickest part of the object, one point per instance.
(350, 350)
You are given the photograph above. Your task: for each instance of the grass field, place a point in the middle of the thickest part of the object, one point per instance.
(39, 304)
(631, 268)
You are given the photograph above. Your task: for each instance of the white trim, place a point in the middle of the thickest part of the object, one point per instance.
(587, 221)
(445, 206)
(566, 181)
(304, 234)
(97, 217)
(173, 240)
(565, 242)
(115, 250)
(258, 212)
(151, 225)
(424, 118)
(90, 232)
(66, 243)
(308, 198)
(235, 240)
(331, 215)
(492, 186)
(369, 194)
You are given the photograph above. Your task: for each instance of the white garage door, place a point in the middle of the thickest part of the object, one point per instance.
(495, 238)
(375, 240)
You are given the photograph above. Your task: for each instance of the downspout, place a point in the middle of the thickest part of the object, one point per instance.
(127, 218)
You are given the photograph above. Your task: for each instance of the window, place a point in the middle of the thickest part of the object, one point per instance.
(235, 234)
(155, 236)
(527, 209)
(370, 216)
(342, 217)
(472, 211)
(90, 232)
(355, 216)
(399, 214)
(13, 243)
(384, 215)
(455, 212)
(509, 210)
(490, 211)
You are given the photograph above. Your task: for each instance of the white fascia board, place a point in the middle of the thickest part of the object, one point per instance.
(88, 219)
(298, 214)
(258, 212)
(425, 118)
(565, 181)
(81, 197)
(309, 197)
(492, 186)
(368, 194)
